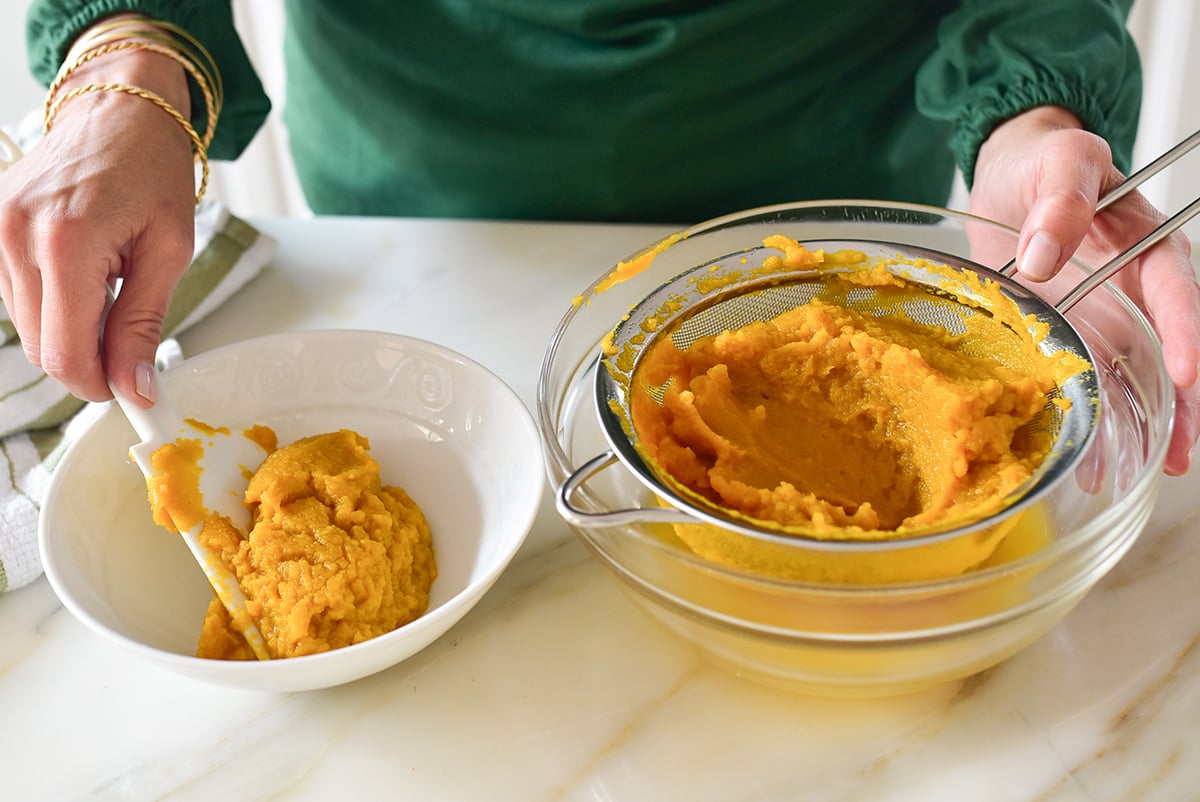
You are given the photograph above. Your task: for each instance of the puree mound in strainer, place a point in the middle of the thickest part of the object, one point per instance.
(839, 424)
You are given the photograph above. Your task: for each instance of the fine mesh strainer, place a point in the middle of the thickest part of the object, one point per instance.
(688, 307)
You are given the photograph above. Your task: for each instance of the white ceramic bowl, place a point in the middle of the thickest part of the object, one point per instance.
(445, 429)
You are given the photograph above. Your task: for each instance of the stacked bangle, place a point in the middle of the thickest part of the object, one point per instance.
(163, 38)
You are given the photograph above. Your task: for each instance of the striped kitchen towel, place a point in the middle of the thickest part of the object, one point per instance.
(39, 418)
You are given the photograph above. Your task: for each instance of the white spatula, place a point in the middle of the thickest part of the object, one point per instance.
(227, 456)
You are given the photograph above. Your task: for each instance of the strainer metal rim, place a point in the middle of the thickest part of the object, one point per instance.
(682, 509)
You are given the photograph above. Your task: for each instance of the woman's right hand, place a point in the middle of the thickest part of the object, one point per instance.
(108, 193)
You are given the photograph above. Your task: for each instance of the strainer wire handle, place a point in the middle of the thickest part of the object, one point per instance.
(1146, 173)
(1125, 257)
(588, 519)
(1122, 189)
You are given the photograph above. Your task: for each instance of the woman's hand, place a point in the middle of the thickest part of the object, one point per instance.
(1042, 173)
(107, 194)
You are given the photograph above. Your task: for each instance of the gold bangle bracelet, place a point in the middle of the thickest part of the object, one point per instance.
(140, 31)
(167, 32)
(183, 35)
(127, 32)
(210, 105)
(201, 152)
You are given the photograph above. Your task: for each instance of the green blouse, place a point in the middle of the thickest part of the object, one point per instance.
(645, 110)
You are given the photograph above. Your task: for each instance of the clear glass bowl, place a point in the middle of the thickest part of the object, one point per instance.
(843, 639)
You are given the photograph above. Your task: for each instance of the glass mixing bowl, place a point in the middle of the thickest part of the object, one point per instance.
(866, 639)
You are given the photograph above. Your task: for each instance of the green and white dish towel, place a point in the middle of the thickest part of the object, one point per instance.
(39, 419)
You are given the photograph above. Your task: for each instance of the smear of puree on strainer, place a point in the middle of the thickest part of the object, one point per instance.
(838, 424)
(332, 557)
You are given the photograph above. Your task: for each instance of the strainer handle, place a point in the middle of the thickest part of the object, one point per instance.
(591, 520)
(1119, 261)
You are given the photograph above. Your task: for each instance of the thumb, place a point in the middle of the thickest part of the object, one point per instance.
(133, 328)
(1068, 186)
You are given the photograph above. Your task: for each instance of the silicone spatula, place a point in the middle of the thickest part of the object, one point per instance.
(223, 467)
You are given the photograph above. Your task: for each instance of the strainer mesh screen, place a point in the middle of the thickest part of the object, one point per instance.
(688, 308)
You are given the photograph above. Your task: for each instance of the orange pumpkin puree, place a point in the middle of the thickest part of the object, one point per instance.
(174, 490)
(332, 557)
(632, 266)
(831, 423)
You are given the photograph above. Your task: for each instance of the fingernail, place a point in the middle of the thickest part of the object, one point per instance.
(1040, 257)
(143, 377)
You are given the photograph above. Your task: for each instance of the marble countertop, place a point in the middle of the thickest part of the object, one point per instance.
(555, 687)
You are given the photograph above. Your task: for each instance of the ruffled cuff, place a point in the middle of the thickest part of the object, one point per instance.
(999, 58)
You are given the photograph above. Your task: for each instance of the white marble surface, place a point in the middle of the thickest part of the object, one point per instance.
(555, 687)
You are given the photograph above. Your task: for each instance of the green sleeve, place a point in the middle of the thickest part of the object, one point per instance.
(53, 25)
(997, 58)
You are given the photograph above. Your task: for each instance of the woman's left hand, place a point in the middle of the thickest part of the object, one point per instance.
(1042, 173)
